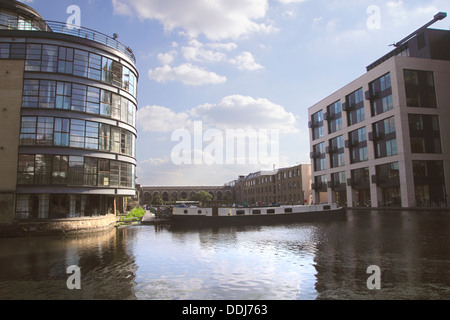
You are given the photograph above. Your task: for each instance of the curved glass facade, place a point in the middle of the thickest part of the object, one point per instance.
(77, 127)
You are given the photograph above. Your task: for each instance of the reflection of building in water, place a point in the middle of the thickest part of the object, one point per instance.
(410, 248)
(36, 268)
(381, 140)
(67, 118)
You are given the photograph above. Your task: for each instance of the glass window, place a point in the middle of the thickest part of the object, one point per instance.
(90, 171)
(65, 60)
(420, 89)
(63, 95)
(95, 66)
(47, 94)
(75, 172)
(61, 132)
(77, 133)
(60, 169)
(81, 63)
(44, 134)
(103, 172)
(79, 97)
(106, 103)
(93, 100)
(115, 140)
(49, 58)
(43, 169)
(105, 137)
(28, 131)
(30, 96)
(33, 59)
(4, 50)
(25, 174)
(18, 51)
(91, 135)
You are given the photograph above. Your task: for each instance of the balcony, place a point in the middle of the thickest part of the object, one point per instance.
(67, 29)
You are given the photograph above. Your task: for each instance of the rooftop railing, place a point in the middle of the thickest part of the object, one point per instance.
(68, 29)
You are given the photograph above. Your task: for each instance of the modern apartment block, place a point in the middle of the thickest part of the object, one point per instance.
(382, 140)
(67, 119)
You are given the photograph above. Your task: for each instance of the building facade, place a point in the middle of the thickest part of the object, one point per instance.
(68, 119)
(290, 185)
(172, 194)
(382, 139)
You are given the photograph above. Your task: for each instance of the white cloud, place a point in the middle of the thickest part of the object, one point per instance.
(187, 74)
(219, 19)
(161, 119)
(245, 61)
(243, 112)
(168, 57)
(196, 52)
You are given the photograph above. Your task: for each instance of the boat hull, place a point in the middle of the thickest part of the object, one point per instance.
(260, 219)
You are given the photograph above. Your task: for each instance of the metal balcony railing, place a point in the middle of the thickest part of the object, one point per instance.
(65, 28)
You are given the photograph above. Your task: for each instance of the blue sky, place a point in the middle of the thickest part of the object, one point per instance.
(240, 64)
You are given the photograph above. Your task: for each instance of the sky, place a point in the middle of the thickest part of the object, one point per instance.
(212, 72)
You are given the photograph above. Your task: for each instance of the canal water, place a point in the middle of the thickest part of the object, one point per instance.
(327, 260)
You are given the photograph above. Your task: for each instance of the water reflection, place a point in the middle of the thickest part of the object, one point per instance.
(35, 268)
(299, 261)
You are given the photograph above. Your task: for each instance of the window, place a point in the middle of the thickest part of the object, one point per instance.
(336, 151)
(90, 171)
(384, 137)
(79, 97)
(63, 95)
(318, 156)
(115, 140)
(93, 100)
(381, 95)
(25, 174)
(47, 94)
(42, 169)
(424, 133)
(91, 135)
(30, 97)
(103, 172)
(75, 172)
(44, 132)
(65, 60)
(317, 125)
(81, 63)
(106, 103)
(334, 115)
(4, 50)
(18, 51)
(60, 169)
(34, 58)
(104, 137)
(28, 131)
(420, 89)
(49, 58)
(355, 107)
(77, 133)
(95, 66)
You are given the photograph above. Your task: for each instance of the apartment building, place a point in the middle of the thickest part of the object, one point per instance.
(67, 119)
(290, 185)
(382, 140)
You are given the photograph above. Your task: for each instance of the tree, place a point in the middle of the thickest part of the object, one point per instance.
(201, 196)
(157, 200)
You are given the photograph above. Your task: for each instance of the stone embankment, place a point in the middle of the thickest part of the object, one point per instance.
(57, 226)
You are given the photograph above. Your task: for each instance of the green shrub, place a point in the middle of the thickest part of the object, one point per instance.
(137, 213)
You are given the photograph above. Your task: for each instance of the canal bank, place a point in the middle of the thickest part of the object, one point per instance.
(57, 226)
